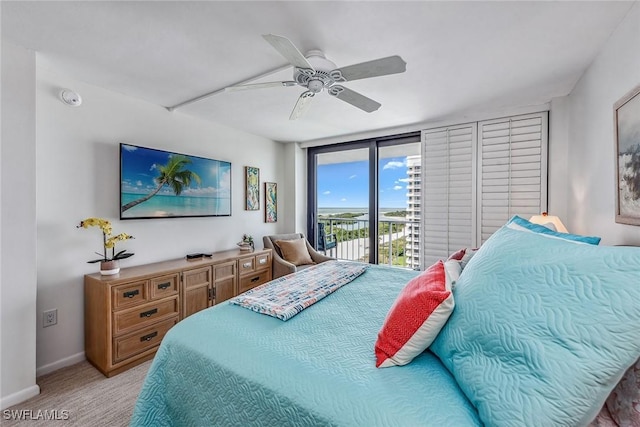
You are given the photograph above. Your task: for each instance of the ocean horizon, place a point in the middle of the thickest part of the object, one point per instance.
(359, 209)
(169, 206)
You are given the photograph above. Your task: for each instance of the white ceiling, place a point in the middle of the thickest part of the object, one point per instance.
(462, 57)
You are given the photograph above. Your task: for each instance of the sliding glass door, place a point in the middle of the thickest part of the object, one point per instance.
(364, 202)
(342, 194)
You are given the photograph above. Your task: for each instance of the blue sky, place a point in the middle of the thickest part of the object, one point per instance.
(347, 184)
(139, 170)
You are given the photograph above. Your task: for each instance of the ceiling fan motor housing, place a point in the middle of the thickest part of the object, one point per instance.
(323, 75)
(314, 80)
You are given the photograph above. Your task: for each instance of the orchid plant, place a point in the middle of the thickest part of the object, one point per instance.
(109, 241)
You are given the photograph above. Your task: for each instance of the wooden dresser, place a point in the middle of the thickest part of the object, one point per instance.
(128, 314)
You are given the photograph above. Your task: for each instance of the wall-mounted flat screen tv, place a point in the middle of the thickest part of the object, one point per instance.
(163, 184)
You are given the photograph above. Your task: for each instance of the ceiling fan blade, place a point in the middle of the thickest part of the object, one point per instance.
(258, 86)
(302, 105)
(354, 98)
(377, 67)
(288, 50)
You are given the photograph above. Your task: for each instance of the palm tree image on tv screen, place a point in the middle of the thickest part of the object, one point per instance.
(160, 184)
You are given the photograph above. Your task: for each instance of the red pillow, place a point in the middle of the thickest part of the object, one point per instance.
(458, 255)
(416, 317)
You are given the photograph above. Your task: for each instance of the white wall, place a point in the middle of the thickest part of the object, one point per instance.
(591, 177)
(18, 225)
(558, 158)
(300, 165)
(296, 187)
(78, 177)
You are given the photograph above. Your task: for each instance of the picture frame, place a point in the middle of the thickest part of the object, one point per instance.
(252, 188)
(626, 133)
(270, 202)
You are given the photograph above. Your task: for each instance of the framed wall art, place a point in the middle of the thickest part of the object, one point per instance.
(252, 188)
(270, 202)
(626, 130)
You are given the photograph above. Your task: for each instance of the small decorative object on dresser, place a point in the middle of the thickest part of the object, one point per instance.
(108, 264)
(626, 128)
(246, 244)
(109, 267)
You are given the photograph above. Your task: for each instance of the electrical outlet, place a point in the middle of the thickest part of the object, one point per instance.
(49, 317)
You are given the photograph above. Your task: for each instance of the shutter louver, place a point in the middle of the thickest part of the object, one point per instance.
(448, 191)
(512, 165)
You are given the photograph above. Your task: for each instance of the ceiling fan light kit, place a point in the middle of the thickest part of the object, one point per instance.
(315, 72)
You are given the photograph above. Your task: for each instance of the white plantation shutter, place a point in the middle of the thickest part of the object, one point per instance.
(512, 170)
(448, 191)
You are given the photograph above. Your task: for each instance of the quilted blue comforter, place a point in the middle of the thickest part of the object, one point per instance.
(229, 366)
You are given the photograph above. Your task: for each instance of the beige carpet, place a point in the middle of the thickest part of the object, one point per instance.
(90, 398)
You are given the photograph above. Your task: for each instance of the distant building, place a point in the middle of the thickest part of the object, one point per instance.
(412, 251)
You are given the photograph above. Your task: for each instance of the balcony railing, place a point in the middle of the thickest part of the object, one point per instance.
(352, 236)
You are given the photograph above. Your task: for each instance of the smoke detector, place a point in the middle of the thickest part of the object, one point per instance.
(70, 97)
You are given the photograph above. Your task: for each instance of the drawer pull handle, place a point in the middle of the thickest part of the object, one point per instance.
(149, 337)
(149, 313)
(164, 285)
(263, 261)
(131, 294)
(255, 279)
(246, 265)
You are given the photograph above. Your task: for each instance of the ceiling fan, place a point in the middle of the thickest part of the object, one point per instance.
(315, 73)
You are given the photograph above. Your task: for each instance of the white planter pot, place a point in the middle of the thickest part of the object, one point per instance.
(108, 268)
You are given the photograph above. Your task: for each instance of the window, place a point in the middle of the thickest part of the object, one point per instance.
(412, 199)
(367, 195)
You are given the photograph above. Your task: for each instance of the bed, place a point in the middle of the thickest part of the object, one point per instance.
(229, 366)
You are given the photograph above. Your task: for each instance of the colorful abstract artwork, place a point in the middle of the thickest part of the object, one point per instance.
(252, 188)
(270, 202)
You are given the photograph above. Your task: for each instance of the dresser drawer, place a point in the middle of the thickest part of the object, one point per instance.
(132, 344)
(161, 287)
(247, 265)
(127, 320)
(253, 280)
(263, 261)
(129, 294)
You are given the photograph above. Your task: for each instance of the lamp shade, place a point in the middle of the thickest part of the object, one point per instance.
(546, 219)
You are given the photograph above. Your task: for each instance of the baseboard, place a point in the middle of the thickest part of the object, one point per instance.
(19, 397)
(34, 390)
(62, 363)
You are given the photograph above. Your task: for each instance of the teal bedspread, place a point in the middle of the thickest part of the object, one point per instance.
(229, 366)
